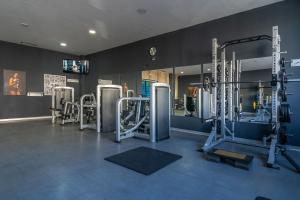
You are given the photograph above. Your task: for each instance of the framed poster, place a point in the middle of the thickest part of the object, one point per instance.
(14, 82)
(51, 81)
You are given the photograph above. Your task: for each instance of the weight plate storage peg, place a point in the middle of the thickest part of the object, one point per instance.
(284, 113)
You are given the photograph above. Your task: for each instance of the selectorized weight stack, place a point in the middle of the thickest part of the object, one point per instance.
(107, 97)
(160, 101)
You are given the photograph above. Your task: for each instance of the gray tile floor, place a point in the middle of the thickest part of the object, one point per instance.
(42, 161)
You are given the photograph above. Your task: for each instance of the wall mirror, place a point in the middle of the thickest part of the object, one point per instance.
(255, 98)
(129, 82)
(186, 97)
(163, 75)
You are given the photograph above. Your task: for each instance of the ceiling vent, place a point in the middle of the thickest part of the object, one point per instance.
(28, 44)
(141, 11)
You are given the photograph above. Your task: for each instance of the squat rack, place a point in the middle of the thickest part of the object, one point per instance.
(220, 132)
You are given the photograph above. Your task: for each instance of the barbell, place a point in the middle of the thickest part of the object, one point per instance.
(241, 82)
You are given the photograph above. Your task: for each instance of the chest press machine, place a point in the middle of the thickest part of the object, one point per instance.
(151, 120)
(223, 101)
(98, 112)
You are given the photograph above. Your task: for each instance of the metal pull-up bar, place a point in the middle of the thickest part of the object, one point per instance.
(246, 40)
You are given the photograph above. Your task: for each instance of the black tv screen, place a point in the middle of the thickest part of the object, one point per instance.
(76, 66)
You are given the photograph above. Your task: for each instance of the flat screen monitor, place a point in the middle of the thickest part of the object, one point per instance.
(76, 66)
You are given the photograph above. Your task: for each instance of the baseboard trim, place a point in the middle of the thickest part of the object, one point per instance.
(24, 119)
(190, 131)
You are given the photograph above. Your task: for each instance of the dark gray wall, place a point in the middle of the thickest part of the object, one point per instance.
(35, 62)
(193, 46)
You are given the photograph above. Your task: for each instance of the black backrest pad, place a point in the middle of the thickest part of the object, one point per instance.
(162, 113)
(109, 98)
(190, 104)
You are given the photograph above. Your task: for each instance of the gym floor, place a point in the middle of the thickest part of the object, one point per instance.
(43, 161)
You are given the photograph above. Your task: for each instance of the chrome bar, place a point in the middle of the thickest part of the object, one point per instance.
(119, 134)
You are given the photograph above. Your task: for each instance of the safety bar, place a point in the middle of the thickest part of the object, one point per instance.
(119, 134)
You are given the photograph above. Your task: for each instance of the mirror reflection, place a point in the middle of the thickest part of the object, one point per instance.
(255, 98)
(187, 98)
(129, 82)
(155, 76)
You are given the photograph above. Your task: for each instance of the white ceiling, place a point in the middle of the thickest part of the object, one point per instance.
(117, 22)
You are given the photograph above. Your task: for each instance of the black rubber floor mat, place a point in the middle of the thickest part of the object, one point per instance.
(144, 160)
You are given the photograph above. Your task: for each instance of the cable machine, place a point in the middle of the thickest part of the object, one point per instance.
(151, 118)
(88, 105)
(64, 109)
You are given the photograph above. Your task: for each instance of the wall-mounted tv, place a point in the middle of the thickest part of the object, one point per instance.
(76, 66)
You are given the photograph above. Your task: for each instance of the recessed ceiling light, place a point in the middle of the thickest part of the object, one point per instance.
(208, 69)
(92, 32)
(63, 44)
(181, 72)
(24, 24)
(141, 11)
